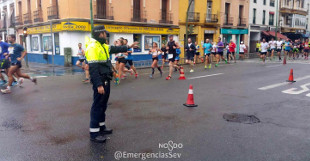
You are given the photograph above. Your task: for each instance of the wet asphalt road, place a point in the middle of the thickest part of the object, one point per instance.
(50, 121)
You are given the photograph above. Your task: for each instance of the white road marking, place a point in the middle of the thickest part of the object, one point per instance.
(206, 76)
(282, 84)
(41, 76)
(293, 90)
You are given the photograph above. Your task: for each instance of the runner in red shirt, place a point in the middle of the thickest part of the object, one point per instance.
(231, 52)
(306, 46)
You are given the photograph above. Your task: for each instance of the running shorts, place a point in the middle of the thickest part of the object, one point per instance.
(122, 60)
(5, 64)
(263, 53)
(197, 53)
(130, 62)
(18, 64)
(220, 53)
(156, 58)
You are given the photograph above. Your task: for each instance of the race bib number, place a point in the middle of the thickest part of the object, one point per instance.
(170, 56)
(0, 49)
(11, 49)
(295, 46)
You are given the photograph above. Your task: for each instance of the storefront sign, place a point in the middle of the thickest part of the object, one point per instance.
(209, 31)
(85, 26)
(234, 31)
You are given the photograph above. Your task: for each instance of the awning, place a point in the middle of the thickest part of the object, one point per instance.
(272, 33)
(265, 33)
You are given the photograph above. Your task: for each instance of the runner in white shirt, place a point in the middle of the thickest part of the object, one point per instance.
(242, 50)
(264, 48)
(279, 48)
(272, 45)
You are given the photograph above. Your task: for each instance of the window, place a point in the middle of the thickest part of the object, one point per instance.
(34, 40)
(264, 2)
(271, 19)
(272, 2)
(149, 40)
(57, 47)
(254, 16)
(264, 17)
(47, 43)
(137, 38)
(255, 1)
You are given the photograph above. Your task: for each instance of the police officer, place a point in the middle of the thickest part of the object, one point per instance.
(100, 68)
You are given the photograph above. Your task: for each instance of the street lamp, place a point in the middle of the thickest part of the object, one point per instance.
(24, 38)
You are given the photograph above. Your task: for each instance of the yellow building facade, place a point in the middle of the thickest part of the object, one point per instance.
(204, 17)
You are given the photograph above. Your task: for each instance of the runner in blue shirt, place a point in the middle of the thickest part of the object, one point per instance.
(207, 51)
(17, 54)
(4, 61)
(129, 59)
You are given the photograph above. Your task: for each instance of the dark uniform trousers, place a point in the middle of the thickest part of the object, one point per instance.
(99, 106)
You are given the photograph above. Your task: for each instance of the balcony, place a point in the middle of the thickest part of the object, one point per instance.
(138, 16)
(193, 16)
(211, 18)
(228, 21)
(108, 14)
(18, 20)
(27, 18)
(52, 12)
(166, 17)
(291, 9)
(242, 22)
(38, 16)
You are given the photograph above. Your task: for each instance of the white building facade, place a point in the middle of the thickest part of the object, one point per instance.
(262, 19)
(7, 18)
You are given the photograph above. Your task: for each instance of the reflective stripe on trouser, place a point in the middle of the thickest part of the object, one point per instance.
(97, 113)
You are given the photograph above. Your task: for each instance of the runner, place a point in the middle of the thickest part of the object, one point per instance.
(197, 53)
(82, 60)
(155, 52)
(213, 51)
(4, 60)
(272, 45)
(288, 46)
(264, 47)
(220, 48)
(306, 49)
(231, 50)
(129, 59)
(164, 55)
(207, 47)
(279, 48)
(177, 58)
(258, 47)
(300, 47)
(296, 49)
(17, 54)
(242, 50)
(171, 48)
(190, 50)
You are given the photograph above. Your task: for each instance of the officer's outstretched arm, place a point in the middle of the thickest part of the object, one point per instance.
(118, 49)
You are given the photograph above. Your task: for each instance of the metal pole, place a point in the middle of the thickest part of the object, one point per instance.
(25, 41)
(51, 25)
(277, 14)
(186, 25)
(91, 15)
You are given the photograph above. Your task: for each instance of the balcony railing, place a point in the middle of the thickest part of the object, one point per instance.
(27, 18)
(38, 16)
(52, 12)
(211, 18)
(166, 17)
(108, 14)
(228, 21)
(18, 20)
(138, 16)
(242, 21)
(193, 16)
(290, 8)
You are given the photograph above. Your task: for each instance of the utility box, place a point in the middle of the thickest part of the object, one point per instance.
(68, 57)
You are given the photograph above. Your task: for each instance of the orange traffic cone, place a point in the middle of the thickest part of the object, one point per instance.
(284, 61)
(291, 77)
(190, 98)
(182, 75)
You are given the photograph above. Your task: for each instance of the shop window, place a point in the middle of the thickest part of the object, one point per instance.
(34, 43)
(137, 38)
(57, 47)
(47, 43)
(149, 40)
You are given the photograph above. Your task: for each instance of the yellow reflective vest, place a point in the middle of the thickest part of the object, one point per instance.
(96, 52)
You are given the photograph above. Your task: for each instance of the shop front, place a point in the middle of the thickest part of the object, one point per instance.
(237, 35)
(44, 44)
